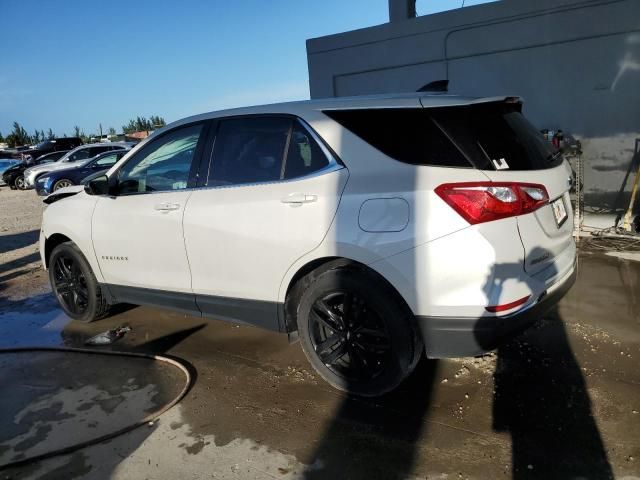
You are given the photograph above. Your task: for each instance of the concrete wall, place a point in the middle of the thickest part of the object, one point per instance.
(576, 63)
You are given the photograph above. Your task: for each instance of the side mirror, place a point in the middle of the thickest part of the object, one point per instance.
(101, 185)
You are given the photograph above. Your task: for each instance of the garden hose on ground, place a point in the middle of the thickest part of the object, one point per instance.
(180, 364)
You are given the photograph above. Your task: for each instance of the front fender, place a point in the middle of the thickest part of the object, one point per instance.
(71, 217)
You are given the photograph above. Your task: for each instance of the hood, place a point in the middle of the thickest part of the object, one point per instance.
(63, 193)
(14, 168)
(54, 167)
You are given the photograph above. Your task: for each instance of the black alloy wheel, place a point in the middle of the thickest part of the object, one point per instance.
(70, 285)
(355, 329)
(349, 336)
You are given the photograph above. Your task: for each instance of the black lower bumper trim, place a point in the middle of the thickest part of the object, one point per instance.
(467, 337)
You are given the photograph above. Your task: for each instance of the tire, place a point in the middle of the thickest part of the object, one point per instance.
(63, 182)
(376, 343)
(19, 183)
(74, 284)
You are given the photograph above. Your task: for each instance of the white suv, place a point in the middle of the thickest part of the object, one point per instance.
(372, 228)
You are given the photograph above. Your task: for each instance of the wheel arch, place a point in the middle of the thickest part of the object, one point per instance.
(52, 242)
(297, 282)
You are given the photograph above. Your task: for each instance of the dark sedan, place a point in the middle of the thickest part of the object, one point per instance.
(14, 176)
(52, 181)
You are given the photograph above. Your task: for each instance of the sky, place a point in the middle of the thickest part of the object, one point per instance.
(87, 63)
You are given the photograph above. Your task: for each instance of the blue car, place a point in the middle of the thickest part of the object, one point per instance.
(52, 181)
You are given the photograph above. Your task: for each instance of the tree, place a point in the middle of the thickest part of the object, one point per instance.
(50, 135)
(18, 136)
(157, 121)
(112, 131)
(76, 131)
(141, 124)
(1, 138)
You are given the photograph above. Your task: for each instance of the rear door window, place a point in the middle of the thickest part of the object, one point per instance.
(249, 150)
(263, 149)
(304, 155)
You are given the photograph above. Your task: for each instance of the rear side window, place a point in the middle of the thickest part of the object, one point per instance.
(79, 155)
(263, 149)
(491, 136)
(496, 136)
(406, 134)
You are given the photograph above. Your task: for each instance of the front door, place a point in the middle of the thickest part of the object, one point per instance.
(271, 195)
(137, 232)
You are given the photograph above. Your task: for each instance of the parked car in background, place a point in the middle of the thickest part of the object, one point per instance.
(374, 229)
(5, 164)
(75, 158)
(52, 181)
(14, 176)
(48, 146)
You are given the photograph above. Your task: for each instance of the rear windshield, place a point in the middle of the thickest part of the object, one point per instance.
(492, 136)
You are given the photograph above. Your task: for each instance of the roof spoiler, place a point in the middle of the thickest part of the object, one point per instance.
(435, 86)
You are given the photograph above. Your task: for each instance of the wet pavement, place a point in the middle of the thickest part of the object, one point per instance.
(53, 405)
(560, 401)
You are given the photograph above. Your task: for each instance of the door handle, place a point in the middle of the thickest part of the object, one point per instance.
(295, 199)
(167, 207)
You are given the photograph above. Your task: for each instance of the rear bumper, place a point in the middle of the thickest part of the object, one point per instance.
(466, 337)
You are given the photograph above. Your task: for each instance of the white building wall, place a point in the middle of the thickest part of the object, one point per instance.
(576, 63)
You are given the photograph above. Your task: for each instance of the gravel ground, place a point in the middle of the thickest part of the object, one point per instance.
(21, 274)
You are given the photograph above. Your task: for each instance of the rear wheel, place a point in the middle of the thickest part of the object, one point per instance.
(356, 332)
(20, 183)
(62, 183)
(74, 284)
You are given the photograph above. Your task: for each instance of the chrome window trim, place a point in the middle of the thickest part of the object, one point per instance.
(333, 165)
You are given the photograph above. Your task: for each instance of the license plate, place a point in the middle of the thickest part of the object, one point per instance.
(559, 212)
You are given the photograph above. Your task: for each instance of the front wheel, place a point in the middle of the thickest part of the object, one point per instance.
(62, 183)
(355, 331)
(20, 183)
(74, 284)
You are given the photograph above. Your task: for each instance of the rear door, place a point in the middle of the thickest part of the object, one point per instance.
(499, 140)
(270, 195)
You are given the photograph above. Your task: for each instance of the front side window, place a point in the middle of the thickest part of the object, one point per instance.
(163, 164)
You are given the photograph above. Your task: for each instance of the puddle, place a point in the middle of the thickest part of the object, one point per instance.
(61, 399)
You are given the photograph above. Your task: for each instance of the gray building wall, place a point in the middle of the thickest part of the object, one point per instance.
(576, 63)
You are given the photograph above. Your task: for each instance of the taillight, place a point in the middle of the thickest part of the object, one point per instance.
(480, 202)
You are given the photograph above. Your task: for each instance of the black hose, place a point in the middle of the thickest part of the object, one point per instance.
(149, 418)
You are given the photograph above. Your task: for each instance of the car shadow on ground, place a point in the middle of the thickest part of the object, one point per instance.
(377, 438)
(541, 400)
